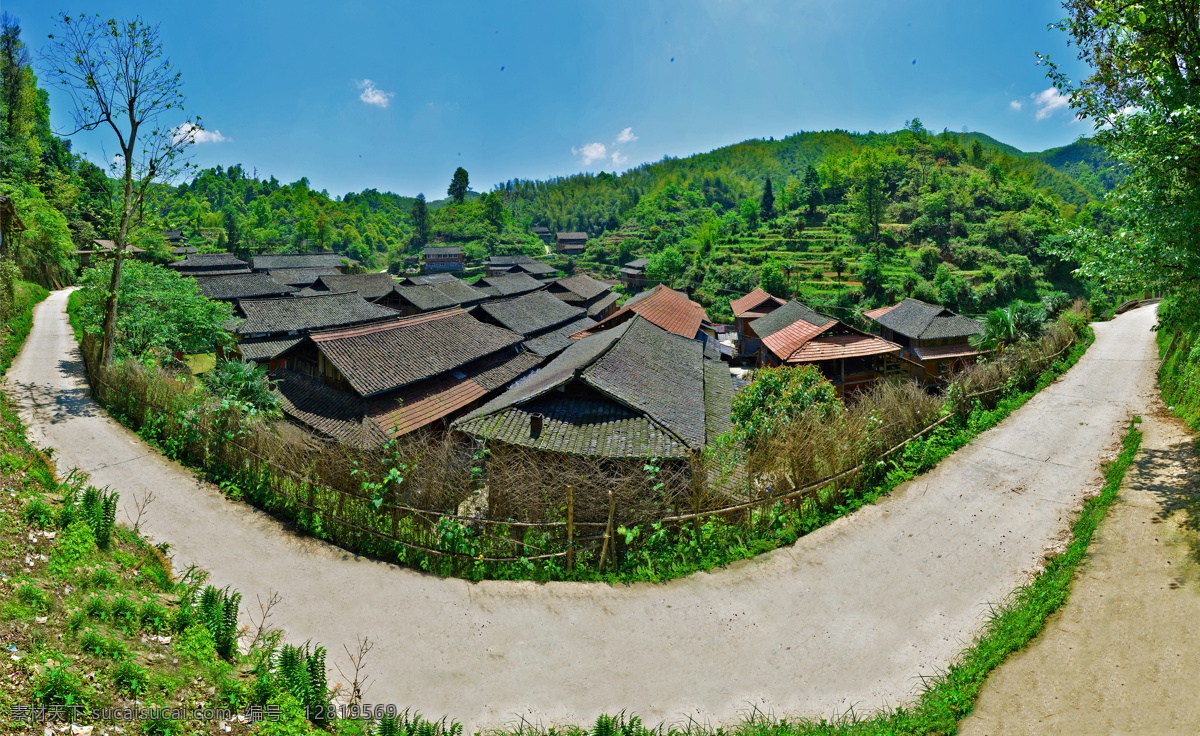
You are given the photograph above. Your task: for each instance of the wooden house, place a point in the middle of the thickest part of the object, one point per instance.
(436, 291)
(543, 233)
(510, 265)
(633, 274)
(571, 244)
(581, 290)
(210, 264)
(936, 339)
(793, 334)
(235, 287)
(377, 288)
(746, 309)
(367, 384)
(443, 258)
(272, 326)
(544, 321)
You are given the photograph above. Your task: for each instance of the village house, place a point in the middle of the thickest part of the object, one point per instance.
(793, 334)
(508, 285)
(502, 265)
(746, 309)
(635, 391)
(581, 290)
(545, 322)
(210, 264)
(443, 258)
(367, 384)
(543, 233)
(432, 292)
(571, 244)
(297, 269)
(935, 338)
(377, 288)
(272, 326)
(243, 286)
(104, 249)
(633, 274)
(665, 308)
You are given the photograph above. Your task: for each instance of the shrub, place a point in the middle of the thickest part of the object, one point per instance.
(779, 396)
(236, 380)
(38, 513)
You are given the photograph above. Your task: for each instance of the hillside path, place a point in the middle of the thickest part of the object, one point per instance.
(850, 616)
(1123, 656)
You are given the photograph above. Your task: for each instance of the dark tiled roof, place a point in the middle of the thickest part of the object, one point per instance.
(427, 278)
(303, 313)
(642, 392)
(638, 263)
(206, 272)
(508, 285)
(242, 286)
(531, 313)
(916, 319)
(572, 236)
(556, 340)
(387, 356)
(270, 261)
(578, 288)
(632, 271)
(301, 276)
(266, 348)
(603, 304)
(785, 316)
(326, 410)
(539, 230)
(184, 250)
(209, 260)
(370, 286)
(507, 260)
(443, 250)
(536, 268)
(441, 295)
(173, 236)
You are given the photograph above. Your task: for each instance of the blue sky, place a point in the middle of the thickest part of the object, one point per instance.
(395, 96)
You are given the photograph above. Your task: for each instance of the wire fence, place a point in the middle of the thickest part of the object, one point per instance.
(459, 506)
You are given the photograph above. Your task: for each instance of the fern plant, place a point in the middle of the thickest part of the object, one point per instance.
(97, 507)
(414, 724)
(217, 610)
(302, 673)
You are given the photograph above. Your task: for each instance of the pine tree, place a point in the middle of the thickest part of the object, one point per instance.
(420, 218)
(767, 207)
(459, 185)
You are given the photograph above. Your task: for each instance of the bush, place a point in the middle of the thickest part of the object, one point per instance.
(780, 396)
(236, 380)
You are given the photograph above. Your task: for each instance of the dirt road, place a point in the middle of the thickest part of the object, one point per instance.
(849, 616)
(1123, 656)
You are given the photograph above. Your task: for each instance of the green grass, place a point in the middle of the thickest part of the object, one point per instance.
(25, 296)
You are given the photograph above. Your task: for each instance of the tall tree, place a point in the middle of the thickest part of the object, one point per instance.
(420, 218)
(19, 143)
(1144, 98)
(119, 80)
(867, 192)
(812, 189)
(767, 203)
(459, 185)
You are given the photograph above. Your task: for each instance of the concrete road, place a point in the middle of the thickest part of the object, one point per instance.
(850, 616)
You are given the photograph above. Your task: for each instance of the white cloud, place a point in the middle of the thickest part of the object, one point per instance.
(626, 136)
(196, 134)
(1016, 105)
(591, 152)
(374, 96)
(1048, 102)
(618, 159)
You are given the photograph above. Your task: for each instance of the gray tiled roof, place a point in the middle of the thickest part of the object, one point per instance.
(916, 319)
(558, 339)
(632, 391)
(270, 261)
(507, 260)
(443, 250)
(209, 260)
(787, 315)
(326, 410)
(508, 285)
(382, 357)
(531, 313)
(427, 278)
(370, 286)
(304, 313)
(265, 348)
(638, 263)
(441, 294)
(578, 288)
(242, 286)
(301, 276)
(209, 271)
(536, 268)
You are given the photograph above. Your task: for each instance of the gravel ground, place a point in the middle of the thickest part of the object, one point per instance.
(849, 617)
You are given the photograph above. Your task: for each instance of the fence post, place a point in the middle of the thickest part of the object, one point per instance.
(612, 508)
(697, 464)
(570, 528)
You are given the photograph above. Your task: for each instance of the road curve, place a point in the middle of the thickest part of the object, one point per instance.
(850, 616)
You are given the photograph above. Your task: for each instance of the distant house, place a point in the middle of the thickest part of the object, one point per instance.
(667, 309)
(508, 285)
(746, 309)
(635, 391)
(443, 258)
(571, 244)
(174, 237)
(545, 322)
(210, 264)
(272, 326)
(794, 334)
(280, 261)
(931, 335)
(543, 233)
(243, 286)
(581, 290)
(184, 250)
(367, 384)
(633, 274)
(508, 265)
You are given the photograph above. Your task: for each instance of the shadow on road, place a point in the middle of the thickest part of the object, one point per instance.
(58, 405)
(1172, 476)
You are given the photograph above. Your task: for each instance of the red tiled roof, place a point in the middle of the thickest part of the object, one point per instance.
(841, 346)
(425, 402)
(877, 313)
(792, 338)
(755, 298)
(941, 352)
(665, 308)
